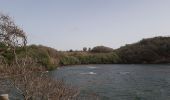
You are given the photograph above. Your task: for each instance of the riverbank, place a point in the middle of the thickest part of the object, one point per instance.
(147, 51)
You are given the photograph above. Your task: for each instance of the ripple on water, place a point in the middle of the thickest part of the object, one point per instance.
(91, 67)
(89, 73)
(120, 82)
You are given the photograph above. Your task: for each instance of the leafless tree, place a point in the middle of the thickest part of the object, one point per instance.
(11, 35)
(24, 76)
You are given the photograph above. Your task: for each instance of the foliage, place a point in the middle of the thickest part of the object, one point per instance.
(104, 58)
(45, 56)
(89, 58)
(101, 49)
(42, 55)
(69, 60)
(152, 50)
(84, 49)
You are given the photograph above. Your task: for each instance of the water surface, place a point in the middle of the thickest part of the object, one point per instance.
(119, 82)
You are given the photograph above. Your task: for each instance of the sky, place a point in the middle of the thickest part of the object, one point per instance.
(74, 24)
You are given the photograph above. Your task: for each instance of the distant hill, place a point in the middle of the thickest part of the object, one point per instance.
(151, 50)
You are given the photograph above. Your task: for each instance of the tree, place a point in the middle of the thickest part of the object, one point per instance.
(30, 81)
(101, 49)
(84, 49)
(11, 35)
(89, 49)
(71, 50)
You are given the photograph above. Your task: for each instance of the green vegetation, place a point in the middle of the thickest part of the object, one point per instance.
(99, 58)
(152, 50)
(41, 55)
(101, 49)
(45, 56)
(69, 60)
(90, 58)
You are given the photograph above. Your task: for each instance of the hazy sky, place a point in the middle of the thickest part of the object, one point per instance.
(66, 24)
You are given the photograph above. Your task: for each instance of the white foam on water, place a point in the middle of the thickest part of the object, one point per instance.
(91, 67)
(89, 73)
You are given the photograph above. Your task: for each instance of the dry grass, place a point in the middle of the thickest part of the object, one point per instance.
(33, 83)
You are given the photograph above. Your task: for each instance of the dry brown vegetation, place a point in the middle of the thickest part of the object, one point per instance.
(29, 81)
(34, 84)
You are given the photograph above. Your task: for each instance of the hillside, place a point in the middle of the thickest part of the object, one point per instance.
(151, 50)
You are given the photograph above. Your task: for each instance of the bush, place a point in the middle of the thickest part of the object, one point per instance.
(69, 60)
(41, 55)
(101, 49)
(98, 58)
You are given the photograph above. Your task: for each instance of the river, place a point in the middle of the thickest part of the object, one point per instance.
(119, 81)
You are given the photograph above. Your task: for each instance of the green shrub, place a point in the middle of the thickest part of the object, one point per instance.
(69, 60)
(99, 58)
(101, 49)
